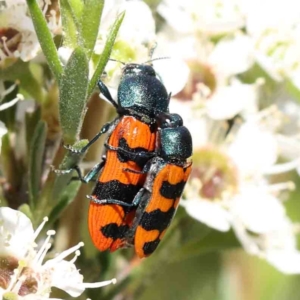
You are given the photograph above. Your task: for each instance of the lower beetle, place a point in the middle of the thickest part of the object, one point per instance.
(167, 174)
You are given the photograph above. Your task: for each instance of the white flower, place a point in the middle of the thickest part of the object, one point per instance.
(173, 73)
(270, 14)
(275, 36)
(212, 79)
(228, 164)
(277, 245)
(277, 51)
(135, 37)
(229, 100)
(18, 38)
(211, 17)
(27, 276)
(229, 188)
(232, 55)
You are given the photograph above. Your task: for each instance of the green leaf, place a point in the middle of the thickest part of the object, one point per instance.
(31, 120)
(45, 38)
(70, 24)
(21, 71)
(10, 167)
(73, 86)
(90, 22)
(77, 8)
(36, 156)
(57, 183)
(67, 198)
(25, 209)
(100, 65)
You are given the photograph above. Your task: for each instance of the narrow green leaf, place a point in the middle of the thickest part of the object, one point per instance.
(70, 24)
(45, 38)
(77, 8)
(73, 86)
(25, 209)
(67, 198)
(36, 156)
(31, 120)
(90, 22)
(106, 52)
(56, 184)
(9, 165)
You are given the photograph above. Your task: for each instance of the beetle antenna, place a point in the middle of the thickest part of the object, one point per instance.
(111, 59)
(158, 58)
(152, 49)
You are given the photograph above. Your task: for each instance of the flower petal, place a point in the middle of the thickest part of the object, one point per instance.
(209, 213)
(16, 232)
(66, 277)
(287, 262)
(259, 211)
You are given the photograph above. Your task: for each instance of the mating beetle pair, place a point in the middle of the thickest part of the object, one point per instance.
(145, 169)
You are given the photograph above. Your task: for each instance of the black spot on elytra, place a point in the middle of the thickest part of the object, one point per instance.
(116, 190)
(114, 231)
(172, 191)
(157, 219)
(150, 247)
(139, 155)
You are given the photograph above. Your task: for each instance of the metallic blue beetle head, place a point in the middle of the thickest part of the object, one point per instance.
(141, 90)
(167, 120)
(174, 139)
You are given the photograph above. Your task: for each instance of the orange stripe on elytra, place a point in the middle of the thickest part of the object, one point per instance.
(143, 236)
(172, 174)
(100, 216)
(138, 135)
(114, 170)
(135, 132)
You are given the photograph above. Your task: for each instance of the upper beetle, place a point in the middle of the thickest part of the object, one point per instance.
(141, 97)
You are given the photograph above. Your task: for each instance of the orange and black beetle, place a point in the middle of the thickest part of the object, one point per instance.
(141, 96)
(167, 174)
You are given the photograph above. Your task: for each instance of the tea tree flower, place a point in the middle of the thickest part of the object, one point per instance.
(135, 37)
(211, 17)
(23, 270)
(276, 244)
(229, 188)
(17, 35)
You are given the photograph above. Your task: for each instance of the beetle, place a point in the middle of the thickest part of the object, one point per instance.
(141, 96)
(167, 173)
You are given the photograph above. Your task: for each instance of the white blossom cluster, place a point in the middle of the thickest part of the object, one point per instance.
(233, 162)
(24, 272)
(211, 44)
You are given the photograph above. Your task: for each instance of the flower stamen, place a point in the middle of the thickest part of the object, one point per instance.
(4, 39)
(100, 284)
(39, 229)
(66, 253)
